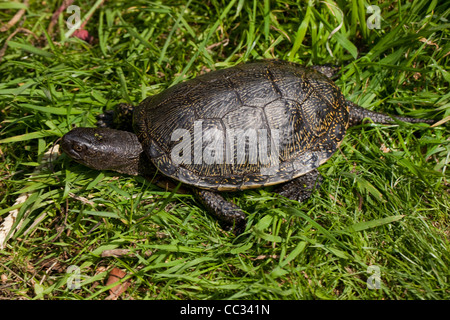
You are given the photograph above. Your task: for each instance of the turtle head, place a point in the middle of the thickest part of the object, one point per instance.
(104, 149)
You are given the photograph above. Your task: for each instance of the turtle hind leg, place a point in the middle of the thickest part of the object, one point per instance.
(230, 216)
(120, 118)
(301, 188)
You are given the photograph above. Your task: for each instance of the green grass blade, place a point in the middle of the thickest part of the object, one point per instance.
(31, 49)
(361, 226)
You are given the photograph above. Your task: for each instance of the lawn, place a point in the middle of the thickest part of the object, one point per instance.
(377, 228)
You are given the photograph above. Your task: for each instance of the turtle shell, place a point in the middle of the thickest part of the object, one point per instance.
(248, 126)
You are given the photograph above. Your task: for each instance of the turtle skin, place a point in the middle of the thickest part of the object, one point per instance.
(253, 125)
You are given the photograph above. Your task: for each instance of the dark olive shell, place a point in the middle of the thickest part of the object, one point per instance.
(248, 126)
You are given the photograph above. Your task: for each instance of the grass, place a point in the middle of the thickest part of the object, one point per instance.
(383, 205)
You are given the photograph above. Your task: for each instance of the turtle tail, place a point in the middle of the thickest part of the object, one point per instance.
(357, 114)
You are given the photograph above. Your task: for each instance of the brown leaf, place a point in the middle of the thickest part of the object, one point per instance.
(114, 276)
(116, 253)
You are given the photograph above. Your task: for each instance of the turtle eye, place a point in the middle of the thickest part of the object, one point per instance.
(78, 147)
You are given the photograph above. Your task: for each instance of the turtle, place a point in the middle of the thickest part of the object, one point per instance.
(257, 124)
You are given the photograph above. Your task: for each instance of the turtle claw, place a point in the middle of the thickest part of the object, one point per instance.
(230, 216)
(106, 119)
(119, 118)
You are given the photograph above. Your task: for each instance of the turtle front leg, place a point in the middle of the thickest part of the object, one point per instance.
(120, 118)
(300, 188)
(230, 215)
